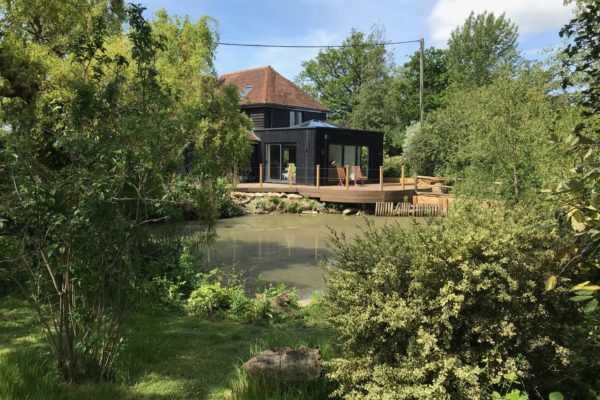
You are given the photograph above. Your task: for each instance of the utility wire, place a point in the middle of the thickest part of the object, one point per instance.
(294, 46)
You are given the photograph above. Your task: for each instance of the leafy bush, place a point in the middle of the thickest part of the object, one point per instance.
(223, 296)
(213, 299)
(170, 269)
(292, 207)
(392, 166)
(447, 310)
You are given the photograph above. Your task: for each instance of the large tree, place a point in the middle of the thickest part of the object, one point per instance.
(496, 137)
(402, 101)
(481, 47)
(336, 75)
(94, 124)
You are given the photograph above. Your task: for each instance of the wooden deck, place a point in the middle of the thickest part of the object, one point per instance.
(362, 194)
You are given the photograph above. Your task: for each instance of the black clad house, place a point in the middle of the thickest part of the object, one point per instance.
(290, 128)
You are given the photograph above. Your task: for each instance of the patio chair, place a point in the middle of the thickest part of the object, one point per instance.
(341, 175)
(358, 176)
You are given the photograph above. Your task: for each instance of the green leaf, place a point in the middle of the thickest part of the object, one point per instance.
(556, 396)
(551, 283)
(581, 298)
(591, 306)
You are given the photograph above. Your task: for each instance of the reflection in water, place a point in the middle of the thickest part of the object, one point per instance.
(283, 247)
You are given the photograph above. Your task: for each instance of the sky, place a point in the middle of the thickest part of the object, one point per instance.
(329, 22)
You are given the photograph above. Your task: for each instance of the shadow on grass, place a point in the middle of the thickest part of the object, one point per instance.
(166, 355)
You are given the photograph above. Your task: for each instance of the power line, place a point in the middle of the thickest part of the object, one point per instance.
(295, 46)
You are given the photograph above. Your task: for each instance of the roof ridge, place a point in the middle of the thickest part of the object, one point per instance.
(247, 70)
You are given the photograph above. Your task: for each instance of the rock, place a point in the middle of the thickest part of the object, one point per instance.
(286, 364)
(294, 196)
(310, 212)
(272, 194)
(349, 211)
(259, 195)
(241, 194)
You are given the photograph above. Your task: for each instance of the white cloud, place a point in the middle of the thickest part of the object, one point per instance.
(531, 16)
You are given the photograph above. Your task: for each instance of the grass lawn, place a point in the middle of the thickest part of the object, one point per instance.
(167, 355)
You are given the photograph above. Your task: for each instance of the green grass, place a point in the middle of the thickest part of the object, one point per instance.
(167, 355)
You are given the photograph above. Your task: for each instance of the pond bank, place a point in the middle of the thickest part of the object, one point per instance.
(290, 203)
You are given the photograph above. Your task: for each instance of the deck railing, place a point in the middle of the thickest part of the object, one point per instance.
(318, 176)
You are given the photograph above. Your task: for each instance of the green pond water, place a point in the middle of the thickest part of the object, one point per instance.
(283, 247)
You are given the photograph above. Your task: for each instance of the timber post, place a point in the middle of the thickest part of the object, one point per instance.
(381, 178)
(402, 175)
(260, 175)
(289, 176)
(318, 176)
(347, 176)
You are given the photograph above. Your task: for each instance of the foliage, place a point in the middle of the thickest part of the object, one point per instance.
(223, 296)
(402, 101)
(335, 76)
(579, 190)
(95, 123)
(498, 138)
(170, 269)
(446, 310)
(392, 166)
(212, 299)
(480, 48)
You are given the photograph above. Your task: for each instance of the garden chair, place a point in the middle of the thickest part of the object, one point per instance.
(358, 176)
(341, 175)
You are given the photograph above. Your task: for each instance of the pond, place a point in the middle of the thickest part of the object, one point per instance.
(284, 248)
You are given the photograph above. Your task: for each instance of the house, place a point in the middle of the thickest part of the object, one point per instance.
(289, 127)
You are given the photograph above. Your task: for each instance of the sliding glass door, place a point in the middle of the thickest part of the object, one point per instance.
(279, 156)
(350, 155)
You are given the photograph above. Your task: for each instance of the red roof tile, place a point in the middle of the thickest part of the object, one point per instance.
(267, 86)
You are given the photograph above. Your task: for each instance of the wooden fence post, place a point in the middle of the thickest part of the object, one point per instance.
(402, 176)
(260, 175)
(289, 176)
(381, 178)
(318, 176)
(347, 176)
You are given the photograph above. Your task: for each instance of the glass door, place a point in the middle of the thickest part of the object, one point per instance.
(279, 157)
(273, 162)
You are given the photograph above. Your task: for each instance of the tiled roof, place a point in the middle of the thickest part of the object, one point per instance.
(264, 85)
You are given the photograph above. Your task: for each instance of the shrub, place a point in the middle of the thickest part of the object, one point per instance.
(292, 207)
(447, 310)
(213, 299)
(221, 296)
(392, 166)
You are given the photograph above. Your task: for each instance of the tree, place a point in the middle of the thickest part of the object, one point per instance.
(95, 123)
(498, 137)
(402, 102)
(336, 75)
(481, 47)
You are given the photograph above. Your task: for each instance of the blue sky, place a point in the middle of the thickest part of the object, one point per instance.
(328, 22)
